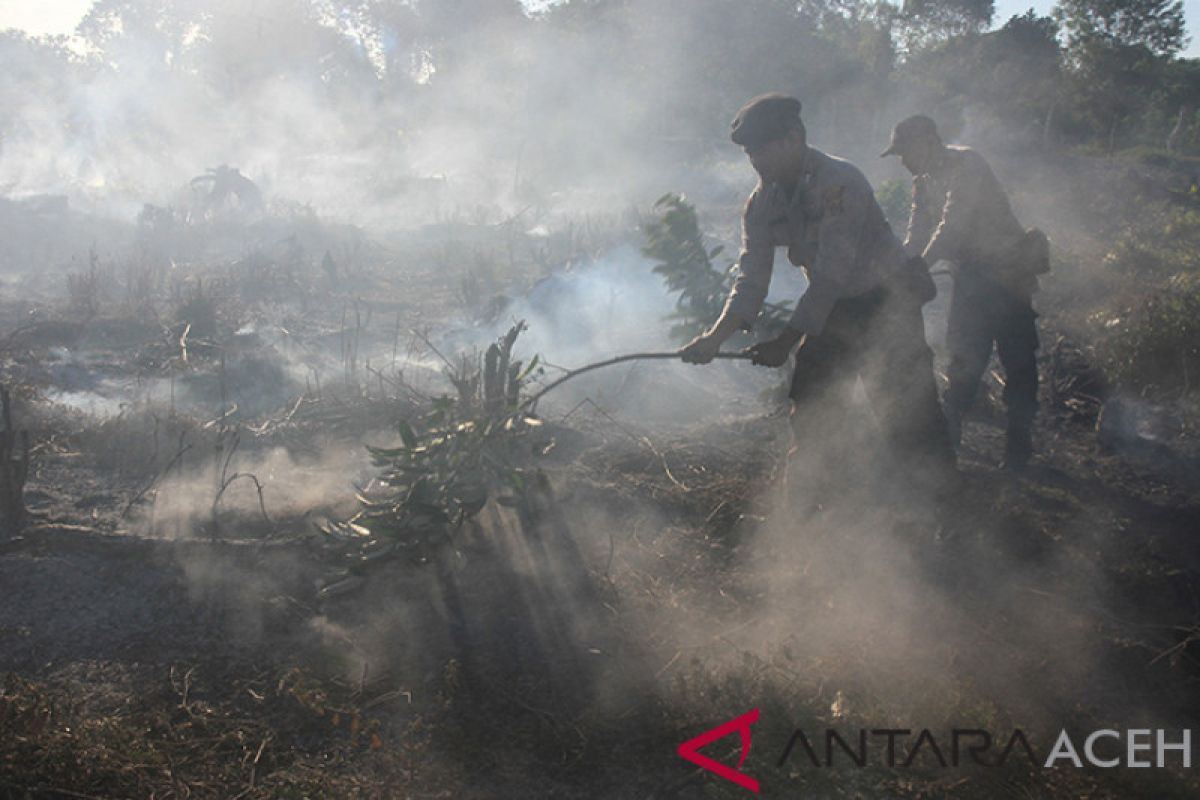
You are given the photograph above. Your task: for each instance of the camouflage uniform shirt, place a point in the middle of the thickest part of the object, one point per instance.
(831, 225)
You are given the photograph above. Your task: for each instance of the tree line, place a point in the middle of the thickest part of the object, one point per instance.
(1102, 74)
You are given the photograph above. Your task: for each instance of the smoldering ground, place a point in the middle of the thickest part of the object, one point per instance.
(663, 570)
(666, 586)
(665, 578)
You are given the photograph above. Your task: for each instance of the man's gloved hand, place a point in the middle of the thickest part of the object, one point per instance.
(700, 350)
(775, 352)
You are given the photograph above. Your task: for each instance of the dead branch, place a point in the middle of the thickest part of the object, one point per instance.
(183, 343)
(156, 478)
(531, 402)
(262, 506)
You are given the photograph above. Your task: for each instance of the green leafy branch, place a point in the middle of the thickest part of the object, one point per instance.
(675, 242)
(450, 461)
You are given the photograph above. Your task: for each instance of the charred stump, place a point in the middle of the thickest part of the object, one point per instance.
(14, 469)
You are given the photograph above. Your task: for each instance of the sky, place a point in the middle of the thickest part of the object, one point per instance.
(61, 16)
(42, 16)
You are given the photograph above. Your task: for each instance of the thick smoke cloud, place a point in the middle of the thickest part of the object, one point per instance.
(408, 113)
(480, 118)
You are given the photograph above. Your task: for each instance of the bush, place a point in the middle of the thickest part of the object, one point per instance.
(674, 241)
(895, 198)
(676, 245)
(1160, 245)
(459, 455)
(1155, 345)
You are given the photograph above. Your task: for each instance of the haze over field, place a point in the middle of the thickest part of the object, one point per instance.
(281, 282)
(403, 113)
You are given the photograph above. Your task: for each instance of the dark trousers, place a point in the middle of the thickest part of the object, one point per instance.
(983, 314)
(880, 338)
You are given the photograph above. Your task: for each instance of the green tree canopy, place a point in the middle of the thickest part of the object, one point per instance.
(1156, 25)
(931, 22)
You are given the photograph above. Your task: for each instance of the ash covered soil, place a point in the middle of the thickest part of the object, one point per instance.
(179, 617)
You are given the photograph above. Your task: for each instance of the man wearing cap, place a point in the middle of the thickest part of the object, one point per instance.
(960, 213)
(861, 313)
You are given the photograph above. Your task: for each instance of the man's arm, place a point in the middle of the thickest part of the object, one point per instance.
(755, 264)
(749, 290)
(954, 228)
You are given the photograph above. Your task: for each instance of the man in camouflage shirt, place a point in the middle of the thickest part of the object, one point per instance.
(860, 316)
(960, 213)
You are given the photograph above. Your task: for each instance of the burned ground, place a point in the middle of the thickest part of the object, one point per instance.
(171, 629)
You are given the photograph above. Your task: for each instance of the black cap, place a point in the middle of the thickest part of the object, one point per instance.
(764, 119)
(907, 131)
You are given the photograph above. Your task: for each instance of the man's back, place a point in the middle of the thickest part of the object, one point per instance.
(961, 213)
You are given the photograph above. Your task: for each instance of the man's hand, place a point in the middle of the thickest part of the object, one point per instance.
(700, 350)
(775, 352)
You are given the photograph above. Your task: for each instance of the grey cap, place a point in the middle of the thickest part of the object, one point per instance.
(764, 119)
(907, 131)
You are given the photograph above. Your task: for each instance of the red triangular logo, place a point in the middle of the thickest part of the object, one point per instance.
(690, 748)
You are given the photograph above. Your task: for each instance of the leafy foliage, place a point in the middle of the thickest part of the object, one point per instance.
(1156, 25)
(1155, 346)
(1155, 250)
(674, 240)
(895, 198)
(462, 452)
(930, 21)
(1147, 331)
